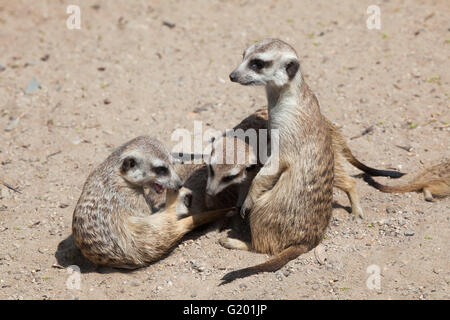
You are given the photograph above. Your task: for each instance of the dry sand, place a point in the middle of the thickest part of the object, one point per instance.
(125, 73)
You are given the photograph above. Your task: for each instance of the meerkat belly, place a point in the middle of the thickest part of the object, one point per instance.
(296, 210)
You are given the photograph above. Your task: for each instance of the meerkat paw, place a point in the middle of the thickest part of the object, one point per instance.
(231, 243)
(246, 206)
(428, 195)
(357, 212)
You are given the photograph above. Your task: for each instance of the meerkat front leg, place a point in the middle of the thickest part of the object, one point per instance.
(264, 181)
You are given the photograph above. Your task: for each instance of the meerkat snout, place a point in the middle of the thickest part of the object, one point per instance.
(233, 76)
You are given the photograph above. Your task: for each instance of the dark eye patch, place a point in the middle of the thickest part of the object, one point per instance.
(229, 178)
(127, 164)
(161, 170)
(258, 64)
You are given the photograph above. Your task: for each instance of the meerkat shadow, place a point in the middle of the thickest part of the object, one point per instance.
(238, 228)
(67, 254)
(337, 205)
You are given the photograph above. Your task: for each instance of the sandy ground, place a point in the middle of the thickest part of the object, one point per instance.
(153, 78)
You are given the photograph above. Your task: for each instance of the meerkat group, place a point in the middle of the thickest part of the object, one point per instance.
(138, 203)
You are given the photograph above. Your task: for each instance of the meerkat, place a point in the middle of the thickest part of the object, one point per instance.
(223, 175)
(194, 194)
(289, 208)
(432, 181)
(112, 223)
(238, 166)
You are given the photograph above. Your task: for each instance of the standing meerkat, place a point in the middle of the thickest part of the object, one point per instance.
(288, 210)
(432, 181)
(112, 223)
(222, 175)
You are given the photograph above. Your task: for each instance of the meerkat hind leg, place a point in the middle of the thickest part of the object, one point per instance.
(344, 182)
(189, 223)
(232, 243)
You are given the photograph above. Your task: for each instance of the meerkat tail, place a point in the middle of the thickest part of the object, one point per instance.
(189, 223)
(411, 187)
(372, 171)
(271, 265)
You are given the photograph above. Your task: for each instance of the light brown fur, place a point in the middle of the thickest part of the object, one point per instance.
(432, 181)
(112, 222)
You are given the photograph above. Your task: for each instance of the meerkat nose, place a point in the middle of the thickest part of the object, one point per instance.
(233, 76)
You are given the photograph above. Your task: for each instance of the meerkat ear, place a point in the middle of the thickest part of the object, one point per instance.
(128, 163)
(292, 68)
(187, 200)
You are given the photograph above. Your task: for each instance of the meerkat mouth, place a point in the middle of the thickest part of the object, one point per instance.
(158, 188)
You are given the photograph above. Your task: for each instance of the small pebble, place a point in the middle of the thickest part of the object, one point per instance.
(409, 233)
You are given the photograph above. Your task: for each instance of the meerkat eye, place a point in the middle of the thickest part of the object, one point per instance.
(161, 170)
(250, 168)
(257, 64)
(128, 163)
(229, 178)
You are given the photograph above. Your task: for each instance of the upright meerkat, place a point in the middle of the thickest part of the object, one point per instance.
(112, 223)
(222, 175)
(288, 210)
(432, 181)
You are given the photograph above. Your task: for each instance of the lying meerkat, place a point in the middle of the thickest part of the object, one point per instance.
(221, 175)
(112, 223)
(432, 181)
(289, 208)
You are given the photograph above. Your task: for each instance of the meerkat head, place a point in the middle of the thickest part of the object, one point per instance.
(270, 62)
(230, 162)
(145, 161)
